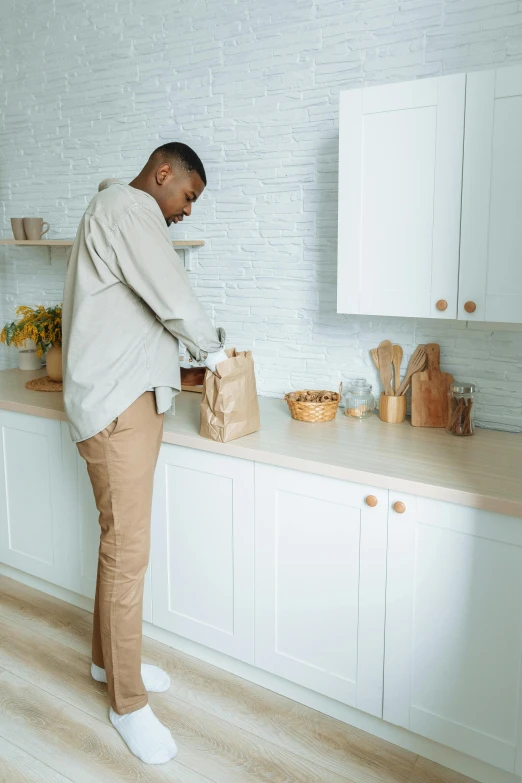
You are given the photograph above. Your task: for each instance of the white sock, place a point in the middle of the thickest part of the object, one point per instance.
(154, 678)
(145, 735)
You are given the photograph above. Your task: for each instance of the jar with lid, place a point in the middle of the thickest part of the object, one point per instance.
(461, 408)
(359, 401)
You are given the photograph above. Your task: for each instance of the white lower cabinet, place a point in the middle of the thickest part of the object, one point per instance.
(453, 668)
(320, 584)
(203, 549)
(410, 612)
(34, 534)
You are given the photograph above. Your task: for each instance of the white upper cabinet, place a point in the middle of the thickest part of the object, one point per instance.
(400, 170)
(491, 232)
(430, 198)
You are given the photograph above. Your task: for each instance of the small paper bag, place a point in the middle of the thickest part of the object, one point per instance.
(229, 404)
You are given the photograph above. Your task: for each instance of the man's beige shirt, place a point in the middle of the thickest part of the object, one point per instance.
(127, 301)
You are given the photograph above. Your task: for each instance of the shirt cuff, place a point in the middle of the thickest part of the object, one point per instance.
(202, 354)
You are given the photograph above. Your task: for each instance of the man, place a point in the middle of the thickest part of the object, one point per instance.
(127, 301)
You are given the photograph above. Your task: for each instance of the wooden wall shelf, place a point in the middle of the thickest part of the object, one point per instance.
(68, 242)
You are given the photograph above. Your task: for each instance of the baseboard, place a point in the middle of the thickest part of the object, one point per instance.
(81, 601)
(477, 770)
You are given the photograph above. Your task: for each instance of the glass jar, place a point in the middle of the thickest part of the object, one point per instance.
(359, 401)
(461, 408)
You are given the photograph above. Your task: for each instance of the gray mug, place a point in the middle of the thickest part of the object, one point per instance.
(34, 228)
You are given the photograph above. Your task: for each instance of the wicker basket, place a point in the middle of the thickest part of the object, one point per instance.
(312, 411)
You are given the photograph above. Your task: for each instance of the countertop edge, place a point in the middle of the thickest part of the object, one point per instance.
(32, 410)
(381, 480)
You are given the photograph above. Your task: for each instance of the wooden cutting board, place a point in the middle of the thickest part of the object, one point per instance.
(429, 392)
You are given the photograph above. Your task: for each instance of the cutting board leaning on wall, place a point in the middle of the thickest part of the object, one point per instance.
(429, 392)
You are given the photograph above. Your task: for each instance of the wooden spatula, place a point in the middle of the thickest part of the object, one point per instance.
(416, 364)
(429, 392)
(397, 360)
(374, 353)
(385, 353)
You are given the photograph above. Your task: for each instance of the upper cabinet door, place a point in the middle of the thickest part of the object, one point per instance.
(491, 241)
(400, 178)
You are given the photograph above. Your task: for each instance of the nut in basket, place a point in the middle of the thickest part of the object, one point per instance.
(313, 405)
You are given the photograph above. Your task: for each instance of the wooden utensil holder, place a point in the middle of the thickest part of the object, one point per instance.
(392, 409)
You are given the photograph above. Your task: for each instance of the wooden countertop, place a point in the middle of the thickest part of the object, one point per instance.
(483, 471)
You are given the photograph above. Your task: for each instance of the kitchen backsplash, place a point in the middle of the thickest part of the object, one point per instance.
(253, 87)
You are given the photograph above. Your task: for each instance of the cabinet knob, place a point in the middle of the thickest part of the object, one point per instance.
(470, 307)
(399, 507)
(442, 304)
(371, 500)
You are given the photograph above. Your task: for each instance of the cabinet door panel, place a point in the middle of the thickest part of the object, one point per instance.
(202, 549)
(316, 563)
(454, 627)
(33, 533)
(491, 243)
(320, 575)
(400, 168)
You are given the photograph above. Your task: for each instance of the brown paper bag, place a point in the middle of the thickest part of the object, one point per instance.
(229, 404)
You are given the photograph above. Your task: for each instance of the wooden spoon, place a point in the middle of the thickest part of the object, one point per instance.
(385, 353)
(374, 352)
(397, 359)
(417, 363)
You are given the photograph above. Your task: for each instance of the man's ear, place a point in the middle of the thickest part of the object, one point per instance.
(162, 173)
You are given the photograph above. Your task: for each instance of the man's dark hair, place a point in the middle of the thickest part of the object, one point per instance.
(183, 155)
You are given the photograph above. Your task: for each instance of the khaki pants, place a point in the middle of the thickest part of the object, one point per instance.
(121, 460)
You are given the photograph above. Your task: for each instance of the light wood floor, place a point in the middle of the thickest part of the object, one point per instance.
(54, 725)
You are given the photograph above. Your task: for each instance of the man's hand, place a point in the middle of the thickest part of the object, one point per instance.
(214, 358)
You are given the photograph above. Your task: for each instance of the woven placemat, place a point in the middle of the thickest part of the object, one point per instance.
(44, 384)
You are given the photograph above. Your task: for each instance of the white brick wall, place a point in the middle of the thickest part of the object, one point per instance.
(87, 90)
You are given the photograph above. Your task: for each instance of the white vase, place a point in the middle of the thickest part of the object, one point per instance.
(27, 358)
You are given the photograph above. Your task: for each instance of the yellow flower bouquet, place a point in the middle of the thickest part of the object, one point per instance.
(41, 324)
